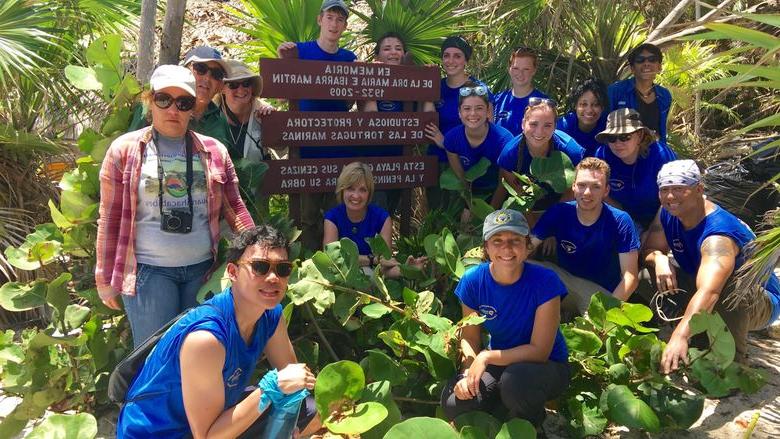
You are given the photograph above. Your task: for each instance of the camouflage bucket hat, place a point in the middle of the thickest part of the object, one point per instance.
(622, 121)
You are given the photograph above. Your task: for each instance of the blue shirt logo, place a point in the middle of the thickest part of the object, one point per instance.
(616, 185)
(678, 245)
(503, 115)
(488, 312)
(234, 379)
(568, 246)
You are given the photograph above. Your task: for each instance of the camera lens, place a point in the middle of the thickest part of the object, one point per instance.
(173, 223)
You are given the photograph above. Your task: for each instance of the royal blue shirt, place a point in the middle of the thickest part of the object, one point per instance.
(155, 405)
(686, 245)
(622, 94)
(590, 252)
(508, 110)
(447, 107)
(510, 310)
(568, 124)
(358, 232)
(456, 142)
(634, 186)
(560, 142)
(310, 50)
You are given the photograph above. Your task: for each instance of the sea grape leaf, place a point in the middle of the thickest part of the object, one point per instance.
(422, 427)
(627, 409)
(338, 384)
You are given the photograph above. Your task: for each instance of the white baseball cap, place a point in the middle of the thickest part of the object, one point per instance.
(169, 75)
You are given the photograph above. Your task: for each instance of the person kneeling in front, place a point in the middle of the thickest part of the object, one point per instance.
(192, 383)
(525, 364)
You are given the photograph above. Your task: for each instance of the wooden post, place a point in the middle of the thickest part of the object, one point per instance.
(170, 43)
(146, 41)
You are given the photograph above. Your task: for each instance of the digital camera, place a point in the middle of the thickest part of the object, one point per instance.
(176, 221)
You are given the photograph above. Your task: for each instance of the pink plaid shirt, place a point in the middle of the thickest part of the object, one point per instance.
(115, 268)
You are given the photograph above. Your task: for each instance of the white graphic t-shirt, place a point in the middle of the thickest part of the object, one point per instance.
(154, 246)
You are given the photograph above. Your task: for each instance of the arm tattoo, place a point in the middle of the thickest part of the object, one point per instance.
(717, 247)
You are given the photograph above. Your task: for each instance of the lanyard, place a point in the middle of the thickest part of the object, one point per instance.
(161, 171)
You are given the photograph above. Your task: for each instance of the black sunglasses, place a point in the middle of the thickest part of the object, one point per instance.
(201, 68)
(534, 101)
(246, 83)
(164, 100)
(612, 138)
(651, 58)
(261, 267)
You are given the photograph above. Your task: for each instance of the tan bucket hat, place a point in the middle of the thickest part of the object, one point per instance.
(623, 121)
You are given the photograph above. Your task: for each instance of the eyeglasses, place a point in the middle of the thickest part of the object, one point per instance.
(261, 267)
(612, 138)
(534, 101)
(479, 90)
(164, 100)
(650, 58)
(246, 83)
(202, 68)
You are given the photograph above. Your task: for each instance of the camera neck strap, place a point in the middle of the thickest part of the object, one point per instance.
(161, 171)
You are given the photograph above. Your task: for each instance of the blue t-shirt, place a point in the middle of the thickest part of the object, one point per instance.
(456, 142)
(560, 142)
(358, 232)
(634, 186)
(508, 110)
(155, 405)
(590, 252)
(686, 245)
(510, 310)
(447, 107)
(310, 50)
(569, 125)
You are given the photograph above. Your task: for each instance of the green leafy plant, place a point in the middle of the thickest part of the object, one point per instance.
(615, 358)
(65, 365)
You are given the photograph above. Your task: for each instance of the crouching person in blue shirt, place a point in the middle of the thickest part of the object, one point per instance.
(597, 244)
(525, 364)
(708, 246)
(193, 381)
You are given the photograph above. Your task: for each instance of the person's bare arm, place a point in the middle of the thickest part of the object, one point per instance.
(546, 322)
(469, 346)
(718, 258)
(500, 194)
(369, 106)
(655, 253)
(330, 233)
(202, 358)
(629, 275)
(457, 168)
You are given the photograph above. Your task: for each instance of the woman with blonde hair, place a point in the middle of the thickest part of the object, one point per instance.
(357, 219)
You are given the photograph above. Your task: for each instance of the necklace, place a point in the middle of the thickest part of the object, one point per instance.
(646, 95)
(235, 138)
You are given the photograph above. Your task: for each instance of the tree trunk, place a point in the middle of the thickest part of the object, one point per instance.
(146, 41)
(170, 43)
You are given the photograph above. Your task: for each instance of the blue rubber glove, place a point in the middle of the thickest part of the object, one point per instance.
(273, 395)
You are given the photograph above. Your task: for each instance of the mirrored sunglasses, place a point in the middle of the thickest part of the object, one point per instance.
(534, 101)
(261, 267)
(164, 100)
(479, 90)
(202, 68)
(246, 83)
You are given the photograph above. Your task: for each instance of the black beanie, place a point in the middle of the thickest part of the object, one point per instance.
(459, 43)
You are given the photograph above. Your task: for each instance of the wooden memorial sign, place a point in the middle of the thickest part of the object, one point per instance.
(312, 175)
(293, 79)
(304, 128)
